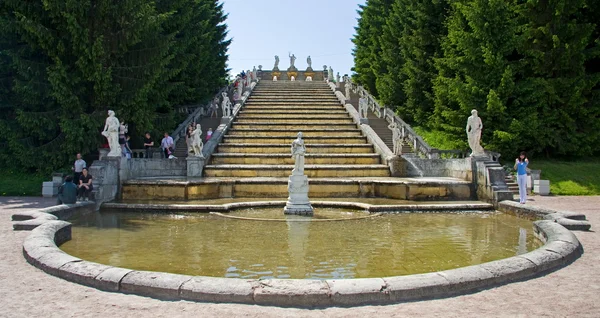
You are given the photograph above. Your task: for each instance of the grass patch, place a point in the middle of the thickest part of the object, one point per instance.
(438, 139)
(578, 177)
(16, 183)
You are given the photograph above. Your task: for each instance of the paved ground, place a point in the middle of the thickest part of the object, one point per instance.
(572, 291)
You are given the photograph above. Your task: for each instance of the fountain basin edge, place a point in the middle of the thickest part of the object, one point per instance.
(40, 249)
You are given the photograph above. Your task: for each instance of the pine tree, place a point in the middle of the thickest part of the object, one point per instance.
(558, 43)
(477, 70)
(368, 62)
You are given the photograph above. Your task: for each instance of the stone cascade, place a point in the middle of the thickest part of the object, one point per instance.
(258, 144)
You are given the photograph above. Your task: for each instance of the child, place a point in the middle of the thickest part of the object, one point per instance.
(521, 164)
(209, 134)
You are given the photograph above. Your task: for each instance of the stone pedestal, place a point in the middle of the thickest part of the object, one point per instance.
(298, 202)
(541, 187)
(195, 166)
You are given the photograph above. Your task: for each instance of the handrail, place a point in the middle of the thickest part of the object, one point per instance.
(418, 144)
(193, 117)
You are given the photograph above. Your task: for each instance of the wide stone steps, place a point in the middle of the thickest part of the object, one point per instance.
(285, 148)
(286, 108)
(286, 159)
(312, 171)
(296, 120)
(293, 94)
(296, 114)
(307, 132)
(292, 111)
(229, 139)
(295, 126)
(281, 102)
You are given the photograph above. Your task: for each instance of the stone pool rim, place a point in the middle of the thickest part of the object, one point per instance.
(41, 249)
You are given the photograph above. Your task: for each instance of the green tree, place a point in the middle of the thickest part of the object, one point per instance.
(477, 70)
(368, 61)
(559, 83)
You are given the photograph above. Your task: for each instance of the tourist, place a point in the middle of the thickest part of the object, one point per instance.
(209, 134)
(521, 164)
(188, 138)
(128, 152)
(122, 131)
(167, 146)
(67, 192)
(148, 144)
(85, 185)
(77, 167)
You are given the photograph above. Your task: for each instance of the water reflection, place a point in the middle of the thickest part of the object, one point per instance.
(203, 244)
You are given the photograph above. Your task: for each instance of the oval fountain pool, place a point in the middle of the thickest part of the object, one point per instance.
(280, 247)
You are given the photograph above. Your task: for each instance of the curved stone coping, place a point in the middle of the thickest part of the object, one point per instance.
(40, 249)
(319, 204)
(570, 220)
(28, 220)
(296, 220)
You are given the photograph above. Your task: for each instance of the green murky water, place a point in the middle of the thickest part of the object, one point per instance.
(210, 245)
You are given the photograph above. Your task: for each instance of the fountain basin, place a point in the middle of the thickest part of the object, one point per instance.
(560, 248)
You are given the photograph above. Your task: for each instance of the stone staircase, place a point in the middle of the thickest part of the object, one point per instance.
(511, 182)
(259, 141)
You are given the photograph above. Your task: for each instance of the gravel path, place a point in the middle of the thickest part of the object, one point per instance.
(572, 291)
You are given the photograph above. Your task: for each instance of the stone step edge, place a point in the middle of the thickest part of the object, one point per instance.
(287, 155)
(307, 145)
(290, 167)
(292, 136)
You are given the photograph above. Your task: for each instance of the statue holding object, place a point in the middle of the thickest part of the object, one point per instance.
(111, 132)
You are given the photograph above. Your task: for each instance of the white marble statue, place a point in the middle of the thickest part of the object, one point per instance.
(197, 144)
(396, 138)
(254, 73)
(309, 78)
(298, 152)
(337, 80)
(276, 62)
(239, 88)
(363, 106)
(111, 132)
(330, 74)
(309, 62)
(226, 105)
(248, 78)
(274, 78)
(260, 67)
(292, 60)
(347, 89)
(474, 127)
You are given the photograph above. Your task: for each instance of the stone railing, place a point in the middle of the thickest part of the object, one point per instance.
(194, 116)
(419, 145)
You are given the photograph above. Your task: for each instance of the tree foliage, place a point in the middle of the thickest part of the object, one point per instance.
(63, 64)
(531, 68)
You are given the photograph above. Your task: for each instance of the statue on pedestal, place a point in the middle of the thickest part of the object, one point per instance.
(292, 60)
(226, 105)
(363, 106)
(474, 127)
(254, 73)
(309, 62)
(330, 74)
(298, 151)
(111, 132)
(197, 144)
(337, 80)
(396, 138)
(298, 202)
(239, 89)
(276, 67)
(248, 78)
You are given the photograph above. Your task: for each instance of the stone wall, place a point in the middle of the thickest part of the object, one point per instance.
(453, 168)
(268, 75)
(148, 168)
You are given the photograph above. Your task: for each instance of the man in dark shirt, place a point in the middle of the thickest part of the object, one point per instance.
(67, 192)
(148, 144)
(85, 185)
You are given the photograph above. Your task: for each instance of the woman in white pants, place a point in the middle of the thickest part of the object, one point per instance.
(521, 167)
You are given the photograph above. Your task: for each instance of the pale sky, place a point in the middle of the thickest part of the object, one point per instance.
(262, 29)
